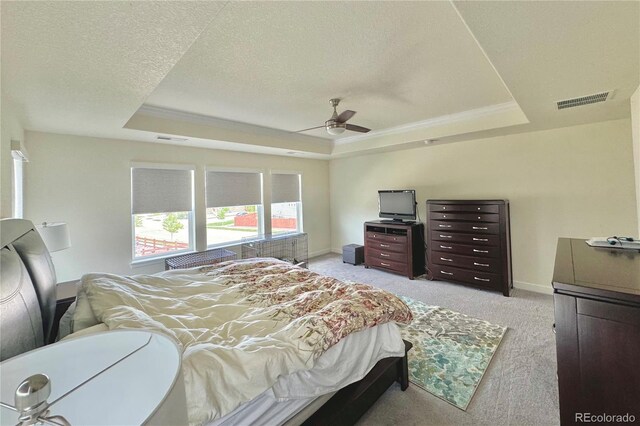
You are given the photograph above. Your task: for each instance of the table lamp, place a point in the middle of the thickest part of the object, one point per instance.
(55, 235)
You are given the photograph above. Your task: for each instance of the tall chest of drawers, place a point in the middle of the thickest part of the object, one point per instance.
(468, 242)
(394, 247)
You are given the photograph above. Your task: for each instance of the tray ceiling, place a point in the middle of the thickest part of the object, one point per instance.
(244, 75)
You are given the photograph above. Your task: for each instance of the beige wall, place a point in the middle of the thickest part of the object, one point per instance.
(569, 182)
(635, 130)
(86, 182)
(11, 129)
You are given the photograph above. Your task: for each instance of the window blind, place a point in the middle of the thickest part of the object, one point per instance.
(285, 188)
(161, 190)
(228, 189)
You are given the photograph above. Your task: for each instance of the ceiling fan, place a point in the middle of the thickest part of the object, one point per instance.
(337, 124)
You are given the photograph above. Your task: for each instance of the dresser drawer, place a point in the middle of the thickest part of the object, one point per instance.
(466, 262)
(470, 217)
(386, 246)
(376, 236)
(386, 264)
(486, 208)
(479, 228)
(482, 279)
(481, 251)
(385, 255)
(476, 240)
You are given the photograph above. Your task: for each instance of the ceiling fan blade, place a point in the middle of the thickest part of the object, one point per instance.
(345, 116)
(310, 128)
(355, 128)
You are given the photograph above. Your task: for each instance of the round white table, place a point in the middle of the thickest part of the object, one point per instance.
(122, 377)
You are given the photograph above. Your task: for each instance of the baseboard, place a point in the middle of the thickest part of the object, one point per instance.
(319, 253)
(544, 289)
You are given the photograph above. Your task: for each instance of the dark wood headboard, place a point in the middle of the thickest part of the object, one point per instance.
(27, 288)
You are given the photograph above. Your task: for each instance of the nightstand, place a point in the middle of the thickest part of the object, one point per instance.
(65, 296)
(121, 377)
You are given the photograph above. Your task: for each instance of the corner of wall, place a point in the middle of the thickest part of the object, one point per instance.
(635, 133)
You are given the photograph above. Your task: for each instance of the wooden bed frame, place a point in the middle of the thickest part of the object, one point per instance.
(20, 238)
(351, 402)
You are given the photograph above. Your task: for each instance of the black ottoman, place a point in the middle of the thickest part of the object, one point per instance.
(353, 254)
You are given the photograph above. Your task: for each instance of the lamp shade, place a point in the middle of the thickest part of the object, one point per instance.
(55, 235)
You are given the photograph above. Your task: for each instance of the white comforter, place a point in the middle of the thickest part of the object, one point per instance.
(241, 325)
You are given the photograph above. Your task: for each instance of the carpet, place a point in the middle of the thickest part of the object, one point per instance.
(451, 351)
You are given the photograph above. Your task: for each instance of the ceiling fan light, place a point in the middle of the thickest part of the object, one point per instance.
(335, 130)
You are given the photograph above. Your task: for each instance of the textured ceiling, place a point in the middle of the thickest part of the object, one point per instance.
(86, 67)
(276, 64)
(439, 69)
(555, 50)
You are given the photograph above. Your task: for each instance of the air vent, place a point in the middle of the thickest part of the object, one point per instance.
(583, 100)
(173, 139)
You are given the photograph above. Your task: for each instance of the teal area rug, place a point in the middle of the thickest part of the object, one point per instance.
(451, 351)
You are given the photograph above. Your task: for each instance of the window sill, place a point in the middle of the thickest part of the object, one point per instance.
(231, 244)
(159, 260)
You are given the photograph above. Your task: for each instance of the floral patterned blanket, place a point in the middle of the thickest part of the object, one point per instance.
(241, 324)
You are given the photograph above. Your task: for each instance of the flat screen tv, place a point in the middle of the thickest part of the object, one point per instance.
(398, 205)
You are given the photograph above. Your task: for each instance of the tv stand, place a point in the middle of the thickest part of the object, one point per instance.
(394, 246)
(397, 221)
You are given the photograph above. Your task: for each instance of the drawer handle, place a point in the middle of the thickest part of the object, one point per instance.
(445, 236)
(481, 279)
(480, 239)
(480, 227)
(446, 260)
(384, 255)
(480, 251)
(481, 264)
(386, 264)
(478, 208)
(384, 245)
(446, 273)
(444, 226)
(446, 247)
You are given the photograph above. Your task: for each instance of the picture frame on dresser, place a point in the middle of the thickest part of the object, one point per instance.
(469, 242)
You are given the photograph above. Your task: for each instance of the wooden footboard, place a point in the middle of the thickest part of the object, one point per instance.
(351, 402)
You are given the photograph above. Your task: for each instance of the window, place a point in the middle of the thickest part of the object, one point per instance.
(19, 158)
(161, 210)
(234, 206)
(286, 204)
(17, 187)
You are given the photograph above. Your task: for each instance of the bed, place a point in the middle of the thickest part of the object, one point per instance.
(267, 342)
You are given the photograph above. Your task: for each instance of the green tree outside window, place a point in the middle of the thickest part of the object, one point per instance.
(171, 224)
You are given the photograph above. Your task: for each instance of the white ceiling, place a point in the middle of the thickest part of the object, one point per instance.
(243, 75)
(86, 67)
(277, 64)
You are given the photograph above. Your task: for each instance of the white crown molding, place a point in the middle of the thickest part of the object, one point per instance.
(436, 121)
(464, 116)
(166, 113)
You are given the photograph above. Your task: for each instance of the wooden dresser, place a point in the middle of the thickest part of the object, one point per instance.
(394, 247)
(597, 314)
(468, 242)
